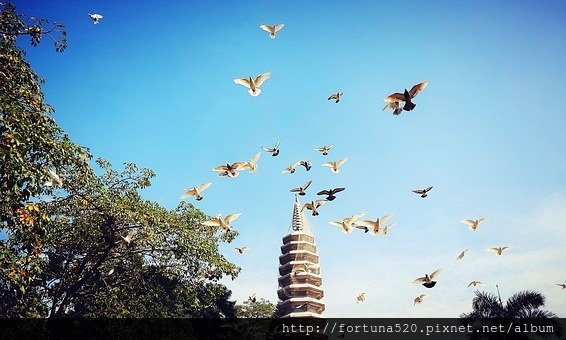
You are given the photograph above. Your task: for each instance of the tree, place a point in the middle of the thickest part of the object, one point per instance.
(78, 241)
(256, 309)
(521, 308)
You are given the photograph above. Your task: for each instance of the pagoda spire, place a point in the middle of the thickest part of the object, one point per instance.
(299, 281)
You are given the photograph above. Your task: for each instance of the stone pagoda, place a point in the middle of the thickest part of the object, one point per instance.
(299, 271)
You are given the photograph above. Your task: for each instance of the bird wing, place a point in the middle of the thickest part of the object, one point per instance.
(336, 223)
(238, 165)
(299, 189)
(482, 220)
(188, 193)
(323, 192)
(395, 97)
(243, 81)
(333, 96)
(267, 149)
(385, 218)
(367, 223)
(417, 89)
(342, 161)
(418, 191)
(221, 168)
(276, 145)
(435, 273)
(336, 190)
(231, 217)
(318, 203)
(261, 78)
(204, 186)
(420, 280)
(308, 206)
(330, 164)
(503, 248)
(267, 28)
(468, 222)
(212, 223)
(306, 185)
(428, 189)
(278, 27)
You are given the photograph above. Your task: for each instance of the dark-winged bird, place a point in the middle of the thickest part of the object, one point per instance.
(301, 190)
(427, 280)
(422, 192)
(335, 96)
(330, 193)
(396, 98)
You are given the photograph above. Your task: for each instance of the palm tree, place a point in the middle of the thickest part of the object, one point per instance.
(520, 317)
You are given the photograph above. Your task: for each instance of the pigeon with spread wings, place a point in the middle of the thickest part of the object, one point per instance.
(223, 223)
(95, 18)
(229, 170)
(474, 224)
(272, 29)
(250, 165)
(330, 193)
(196, 191)
(422, 192)
(499, 251)
(395, 99)
(301, 190)
(313, 206)
(419, 299)
(324, 149)
(274, 150)
(335, 166)
(335, 96)
(348, 224)
(428, 280)
(291, 168)
(253, 84)
(375, 226)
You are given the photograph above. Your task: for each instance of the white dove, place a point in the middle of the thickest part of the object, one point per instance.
(419, 299)
(251, 165)
(347, 224)
(55, 180)
(335, 166)
(196, 191)
(499, 250)
(291, 168)
(474, 224)
(223, 223)
(375, 227)
(272, 29)
(253, 84)
(95, 18)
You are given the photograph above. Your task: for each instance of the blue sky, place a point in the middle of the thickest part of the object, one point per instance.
(153, 84)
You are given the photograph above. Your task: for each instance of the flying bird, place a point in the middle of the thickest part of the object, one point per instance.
(330, 193)
(313, 206)
(306, 164)
(385, 230)
(54, 179)
(324, 149)
(563, 285)
(475, 284)
(361, 298)
(223, 223)
(395, 98)
(428, 280)
(335, 166)
(474, 224)
(499, 250)
(196, 191)
(253, 84)
(250, 165)
(291, 168)
(272, 29)
(127, 240)
(252, 298)
(422, 192)
(274, 150)
(241, 250)
(229, 170)
(335, 96)
(348, 224)
(375, 226)
(95, 18)
(419, 299)
(301, 190)
(461, 256)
